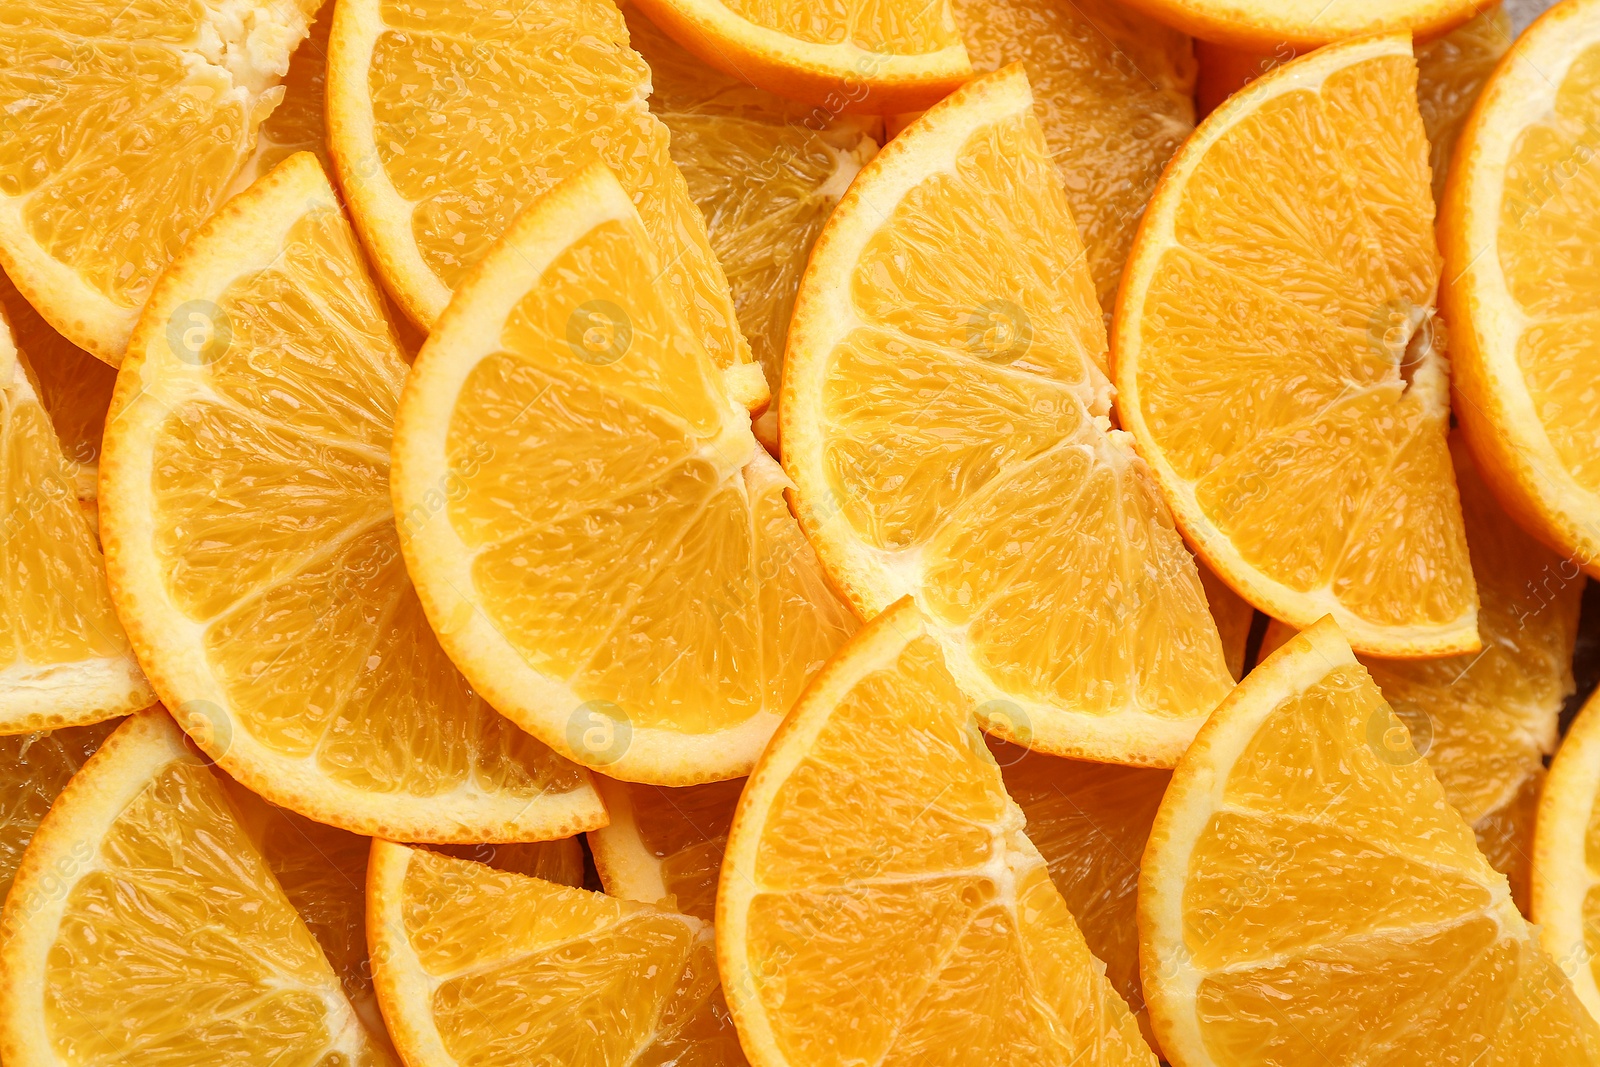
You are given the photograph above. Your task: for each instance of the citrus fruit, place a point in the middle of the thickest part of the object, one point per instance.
(874, 56)
(123, 129)
(1305, 24)
(1114, 93)
(1278, 361)
(879, 901)
(444, 122)
(64, 658)
(1089, 821)
(944, 420)
(565, 447)
(1517, 226)
(1233, 615)
(251, 542)
(1451, 72)
(1566, 857)
(144, 920)
(765, 172)
(1308, 894)
(1487, 720)
(664, 846)
(36, 767)
(476, 966)
(74, 387)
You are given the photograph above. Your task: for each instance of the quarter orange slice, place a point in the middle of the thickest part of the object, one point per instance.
(567, 450)
(251, 542)
(1518, 227)
(444, 122)
(944, 418)
(123, 129)
(145, 920)
(1277, 358)
(876, 56)
(1308, 894)
(879, 900)
(478, 967)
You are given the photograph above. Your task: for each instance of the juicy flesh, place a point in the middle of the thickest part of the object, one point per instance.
(617, 982)
(1289, 369)
(1591, 897)
(1114, 91)
(895, 27)
(275, 533)
(55, 609)
(765, 172)
(1450, 74)
(474, 118)
(125, 125)
(1090, 822)
(902, 894)
(686, 831)
(34, 768)
(1549, 228)
(1033, 529)
(297, 123)
(181, 945)
(623, 486)
(1337, 906)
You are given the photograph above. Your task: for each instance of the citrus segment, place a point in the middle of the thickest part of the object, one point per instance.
(1278, 363)
(943, 417)
(445, 120)
(1451, 72)
(64, 658)
(482, 967)
(1517, 220)
(250, 536)
(124, 127)
(1113, 90)
(566, 448)
(879, 901)
(765, 172)
(37, 767)
(1487, 720)
(1307, 891)
(143, 918)
(1566, 858)
(1089, 821)
(664, 846)
(1265, 24)
(875, 56)
(297, 124)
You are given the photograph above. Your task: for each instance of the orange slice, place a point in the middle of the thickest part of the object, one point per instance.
(1451, 72)
(1517, 226)
(879, 901)
(876, 56)
(566, 448)
(64, 658)
(145, 921)
(1114, 93)
(1566, 858)
(944, 421)
(1277, 358)
(1305, 24)
(34, 768)
(476, 967)
(123, 129)
(1486, 721)
(297, 124)
(1089, 821)
(444, 122)
(251, 543)
(1309, 895)
(664, 846)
